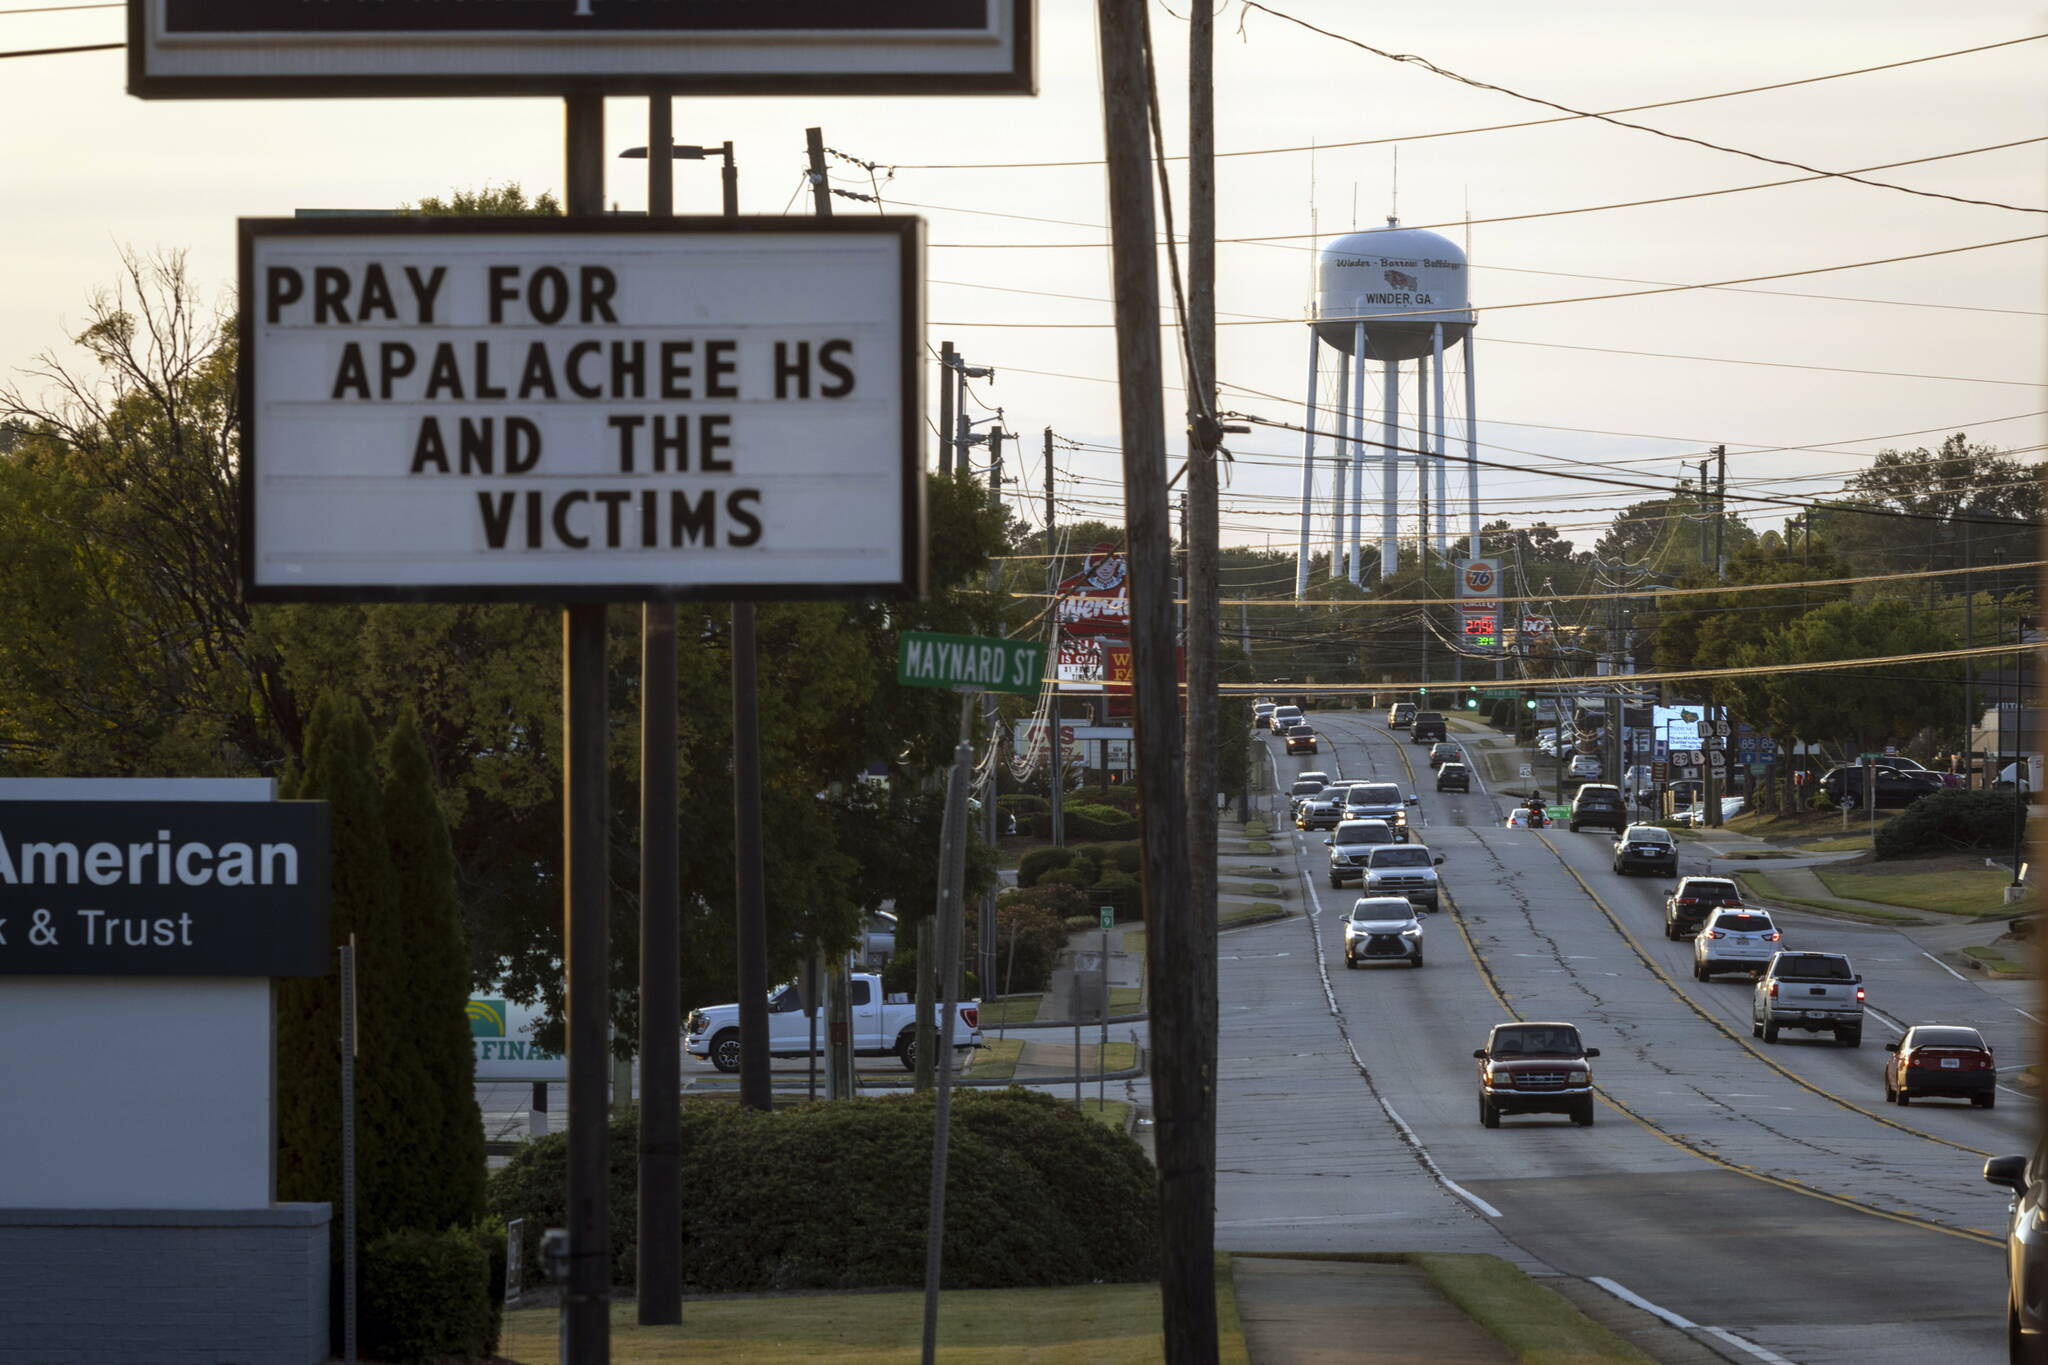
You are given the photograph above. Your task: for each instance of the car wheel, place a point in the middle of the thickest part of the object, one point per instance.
(1770, 1032)
(1335, 881)
(1756, 1030)
(1904, 1098)
(725, 1050)
(1574, 827)
(1985, 1100)
(1489, 1117)
(1417, 959)
(1583, 1115)
(1350, 963)
(1699, 972)
(1891, 1096)
(1850, 1037)
(1670, 931)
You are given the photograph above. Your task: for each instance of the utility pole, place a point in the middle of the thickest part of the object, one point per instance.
(1969, 665)
(985, 964)
(1712, 787)
(1178, 956)
(1055, 750)
(949, 366)
(660, 1175)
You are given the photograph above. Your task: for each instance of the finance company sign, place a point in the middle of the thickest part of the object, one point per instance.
(531, 409)
(294, 49)
(164, 888)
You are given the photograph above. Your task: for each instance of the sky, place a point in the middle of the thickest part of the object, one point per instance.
(1896, 356)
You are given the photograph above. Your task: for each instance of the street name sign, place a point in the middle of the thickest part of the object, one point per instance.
(295, 49)
(969, 662)
(597, 410)
(164, 888)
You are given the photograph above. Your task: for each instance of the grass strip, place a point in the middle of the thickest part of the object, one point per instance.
(1259, 912)
(1011, 1009)
(1761, 883)
(1105, 1324)
(1956, 891)
(1996, 962)
(994, 1060)
(1109, 1113)
(1540, 1326)
(1256, 829)
(1260, 846)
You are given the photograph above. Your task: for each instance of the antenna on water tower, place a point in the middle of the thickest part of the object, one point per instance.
(1394, 208)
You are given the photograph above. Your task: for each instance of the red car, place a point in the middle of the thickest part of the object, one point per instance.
(1941, 1059)
(1535, 1069)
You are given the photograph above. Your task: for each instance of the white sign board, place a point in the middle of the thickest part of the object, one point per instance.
(1683, 734)
(277, 48)
(599, 410)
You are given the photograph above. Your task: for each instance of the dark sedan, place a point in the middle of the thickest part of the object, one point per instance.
(1941, 1060)
(1646, 848)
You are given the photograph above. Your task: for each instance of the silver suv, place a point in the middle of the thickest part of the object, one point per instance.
(1352, 845)
(1734, 938)
(1382, 929)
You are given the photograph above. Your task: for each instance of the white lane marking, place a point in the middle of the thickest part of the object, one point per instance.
(1956, 974)
(1453, 1186)
(1685, 1324)
(1885, 1019)
(2035, 1017)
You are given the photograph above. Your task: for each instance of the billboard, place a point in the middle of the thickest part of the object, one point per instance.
(1097, 600)
(602, 409)
(185, 49)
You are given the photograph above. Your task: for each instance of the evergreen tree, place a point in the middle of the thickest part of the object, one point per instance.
(443, 1183)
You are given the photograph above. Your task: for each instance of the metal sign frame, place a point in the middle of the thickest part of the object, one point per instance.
(227, 57)
(909, 581)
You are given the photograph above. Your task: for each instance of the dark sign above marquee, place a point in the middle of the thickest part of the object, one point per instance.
(301, 48)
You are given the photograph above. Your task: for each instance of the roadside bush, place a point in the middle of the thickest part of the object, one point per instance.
(1123, 798)
(427, 1296)
(1039, 861)
(1100, 822)
(1020, 802)
(1127, 856)
(899, 976)
(1951, 821)
(833, 1196)
(1066, 876)
(1030, 934)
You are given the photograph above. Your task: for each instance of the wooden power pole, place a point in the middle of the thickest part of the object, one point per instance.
(1182, 1097)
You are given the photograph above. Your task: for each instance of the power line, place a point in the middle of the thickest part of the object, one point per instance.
(60, 51)
(1488, 128)
(1409, 58)
(55, 9)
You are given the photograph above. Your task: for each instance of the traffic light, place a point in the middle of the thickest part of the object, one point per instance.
(1528, 703)
(1471, 701)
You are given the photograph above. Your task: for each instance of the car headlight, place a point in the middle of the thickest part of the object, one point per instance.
(1415, 932)
(1575, 1077)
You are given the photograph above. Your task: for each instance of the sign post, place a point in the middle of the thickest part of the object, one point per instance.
(1102, 1045)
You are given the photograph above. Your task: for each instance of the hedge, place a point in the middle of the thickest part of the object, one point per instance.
(1039, 861)
(1950, 821)
(1099, 822)
(1021, 802)
(428, 1296)
(833, 1195)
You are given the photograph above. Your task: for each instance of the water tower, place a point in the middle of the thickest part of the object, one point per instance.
(1387, 296)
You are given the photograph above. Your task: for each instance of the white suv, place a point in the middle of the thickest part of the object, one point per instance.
(1734, 938)
(1383, 929)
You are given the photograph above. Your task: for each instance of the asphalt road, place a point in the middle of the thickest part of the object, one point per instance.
(1766, 1195)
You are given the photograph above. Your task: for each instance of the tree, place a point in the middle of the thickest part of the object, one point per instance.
(1865, 706)
(1938, 510)
(446, 1177)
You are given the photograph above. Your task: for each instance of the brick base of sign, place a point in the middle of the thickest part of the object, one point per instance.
(168, 1286)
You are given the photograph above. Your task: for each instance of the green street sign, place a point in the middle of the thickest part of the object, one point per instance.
(1109, 917)
(969, 663)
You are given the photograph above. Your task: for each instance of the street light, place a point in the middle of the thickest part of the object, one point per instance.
(659, 180)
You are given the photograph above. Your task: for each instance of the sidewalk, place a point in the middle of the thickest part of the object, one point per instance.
(1326, 1312)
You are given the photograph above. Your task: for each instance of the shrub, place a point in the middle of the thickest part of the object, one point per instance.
(833, 1196)
(427, 1296)
(1100, 822)
(899, 977)
(1039, 861)
(1127, 856)
(1030, 935)
(1951, 821)
(1123, 798)
(1066, 876)
(1021, 802)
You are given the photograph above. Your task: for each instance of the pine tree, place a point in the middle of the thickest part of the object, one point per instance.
(444, 1181)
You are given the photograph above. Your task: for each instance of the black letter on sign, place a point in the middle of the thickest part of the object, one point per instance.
(689, 524)
(798, 369)
(599, 284)
(497, 510)
(714, 432)
(562, 531)
(330, 292)
(395, 360)
(828, 361)
(351, 377)
(736, 510)
(282, 285)
(522, 445)
(502, 289)
(429, 448)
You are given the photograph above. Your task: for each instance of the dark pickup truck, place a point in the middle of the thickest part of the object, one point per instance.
(1428, 728)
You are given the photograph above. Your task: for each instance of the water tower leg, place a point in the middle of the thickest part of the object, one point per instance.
(1390, 470)
(1359, 347)
(1443, 505)
(1308, 471)
(1471, 446)
(1421, 446)
(1337, 568)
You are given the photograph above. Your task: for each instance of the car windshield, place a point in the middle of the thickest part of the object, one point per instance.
(1536, 1040)
(1364, 832)
(1377, 912)
(1648, 836)
(1306, 788)
(1813, 967)
(1376, 794)
(1707, 890)
(1454, 770)
(1948, 1037)
(1401, 857)
(1745, 924)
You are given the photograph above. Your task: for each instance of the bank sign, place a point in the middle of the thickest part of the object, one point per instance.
(164, 888)
(299, 48)
(580, 410)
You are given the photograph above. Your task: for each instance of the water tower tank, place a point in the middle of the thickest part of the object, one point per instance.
(1400, 282)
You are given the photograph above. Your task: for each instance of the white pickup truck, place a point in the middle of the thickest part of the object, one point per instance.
(1819, 992)
(881, 1026)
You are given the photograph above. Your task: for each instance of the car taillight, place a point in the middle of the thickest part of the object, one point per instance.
(1715, 933)
(1859, 995)
(1687, 900)
(1773, 936)
(971, 1015)
(1774, 990)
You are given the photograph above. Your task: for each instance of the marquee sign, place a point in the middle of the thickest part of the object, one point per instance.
(164, 888)
(1097, 600)
(181, 49)
(456, 409)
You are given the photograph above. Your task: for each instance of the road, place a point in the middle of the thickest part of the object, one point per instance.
(1763, 1194)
